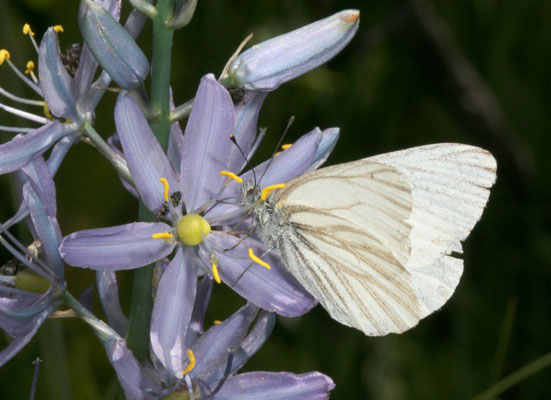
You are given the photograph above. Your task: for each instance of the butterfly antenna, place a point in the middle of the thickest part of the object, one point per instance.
(248, 266)
(291, 120)
(247, 163)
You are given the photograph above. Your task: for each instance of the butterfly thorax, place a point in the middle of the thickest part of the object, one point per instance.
(271, 221)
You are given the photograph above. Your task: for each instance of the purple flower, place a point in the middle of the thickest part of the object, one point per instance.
(70, 96)
(204, 363)
(186, 192)
(32, 287)
(267, 65)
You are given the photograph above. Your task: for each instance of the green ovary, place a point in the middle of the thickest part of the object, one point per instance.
(191, 229)
(31, 282)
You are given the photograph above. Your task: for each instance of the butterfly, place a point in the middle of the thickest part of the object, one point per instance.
(376, 241)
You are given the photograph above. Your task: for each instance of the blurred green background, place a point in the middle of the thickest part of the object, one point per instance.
(475, 72)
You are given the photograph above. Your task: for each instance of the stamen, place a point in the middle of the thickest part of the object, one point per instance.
(162, 235)
(166, 187)
(4, 54)
(27, 30)
(216, 322)
(266, 191)
(258, 260)
(58, 28)
(191, 364)
(215, 273)
(30, 67)
(231, 175)
(286, 146)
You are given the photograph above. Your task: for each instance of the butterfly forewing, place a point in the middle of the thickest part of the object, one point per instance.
(372, 239)
(347, 241)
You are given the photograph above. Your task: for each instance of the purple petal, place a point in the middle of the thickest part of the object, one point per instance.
(55, 82)
(172, 313)
(276, 386)
(246, 128)
(114, 142)
(204, 291)
(213, 347)
(272, 290)
(327, 143)
(47, 230)
(87, 66)
(175, 141)
(60, 151)
(18, 313)
(19, 342)
(42, 180)
(290, 163)
(207, 143)
(267, 65)
(108, 291)
(22, 149)
(112, 46)
(287, 165)
(118, 247)
(146, 159)
(134, 379)
(261, 330)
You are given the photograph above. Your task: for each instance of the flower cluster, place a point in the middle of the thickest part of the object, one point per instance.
(199, 231)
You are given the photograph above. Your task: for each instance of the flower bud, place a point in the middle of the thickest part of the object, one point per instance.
(269, 64)
(112, 46)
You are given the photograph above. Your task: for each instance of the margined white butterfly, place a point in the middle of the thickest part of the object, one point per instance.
(372, 239)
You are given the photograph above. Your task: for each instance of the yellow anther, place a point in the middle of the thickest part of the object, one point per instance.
(163, 235)
(58, 28)
(231, 175)
(27, 30)
(30, 67)
(266, 191)
(215, 273)
(191, 363)
(258, 260)
(166, 187)
(277, 153)
(217, 322)
(286, 146)
(3, 55)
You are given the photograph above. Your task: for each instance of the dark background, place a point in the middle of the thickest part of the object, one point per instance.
(475, 72)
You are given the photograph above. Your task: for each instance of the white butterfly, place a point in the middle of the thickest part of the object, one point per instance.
(372, 239)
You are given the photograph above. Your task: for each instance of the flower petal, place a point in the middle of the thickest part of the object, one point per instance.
(108, 291)
(118, 247)
(212, 348)
(47, 230)
(276, 386)
(261, 330)
(134, 379)
(22, 149)
(272, 290)
(267, 65)
(327, 143)
(207, 143)
(246, 128)
(55, 82)
(112, 46)
(19, 342)
(172, 313)
(202, 298)
(146, 159)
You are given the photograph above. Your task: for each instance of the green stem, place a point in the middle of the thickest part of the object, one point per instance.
(160, 71)
(142, 301)
(516, 377)
(100, 328)
(116, 160)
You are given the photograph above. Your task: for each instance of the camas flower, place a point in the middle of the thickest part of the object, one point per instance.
(204, 365)
(66, 85)
(32, 288)
(187, 200)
